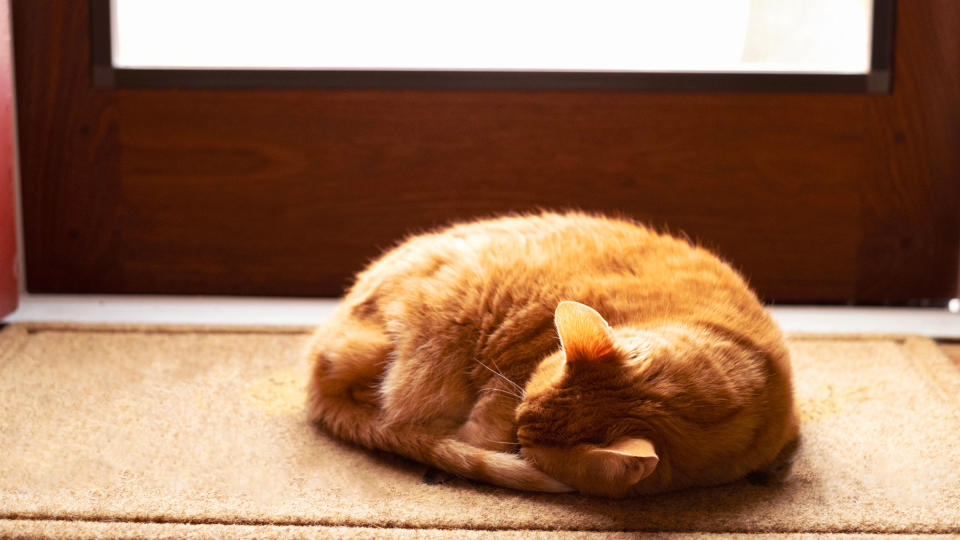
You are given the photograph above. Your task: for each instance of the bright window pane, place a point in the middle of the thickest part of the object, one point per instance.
(829, 36)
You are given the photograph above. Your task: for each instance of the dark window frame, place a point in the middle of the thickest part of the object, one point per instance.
(877, 80)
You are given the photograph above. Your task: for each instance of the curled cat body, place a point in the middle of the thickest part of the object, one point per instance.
(557, 352)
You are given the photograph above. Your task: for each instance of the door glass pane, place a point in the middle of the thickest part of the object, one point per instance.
(810, 36)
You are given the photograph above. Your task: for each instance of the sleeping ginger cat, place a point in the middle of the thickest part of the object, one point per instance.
(557, 352)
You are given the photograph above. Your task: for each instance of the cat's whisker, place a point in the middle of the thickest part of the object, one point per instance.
(501, 375)
(515, 385)
(502, 391)
(510, 443)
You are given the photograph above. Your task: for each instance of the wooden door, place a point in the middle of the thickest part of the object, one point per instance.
(816, 197)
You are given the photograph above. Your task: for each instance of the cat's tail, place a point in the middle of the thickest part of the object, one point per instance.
(499, 468)
(361, 425)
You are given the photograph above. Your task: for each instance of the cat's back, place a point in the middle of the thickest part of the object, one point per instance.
(550, 256)
(521, 256)
(529, 263)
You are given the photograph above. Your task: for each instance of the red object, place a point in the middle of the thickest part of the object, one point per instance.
(8, 220)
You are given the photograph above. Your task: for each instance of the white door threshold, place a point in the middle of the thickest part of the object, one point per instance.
(933, 322)
(227, 310)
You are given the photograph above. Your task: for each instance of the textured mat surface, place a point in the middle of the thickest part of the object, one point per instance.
(200, 432)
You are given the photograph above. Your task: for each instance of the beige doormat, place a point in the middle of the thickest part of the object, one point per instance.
(164, 431)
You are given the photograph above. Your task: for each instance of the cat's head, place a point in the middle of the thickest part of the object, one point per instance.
(575, 421)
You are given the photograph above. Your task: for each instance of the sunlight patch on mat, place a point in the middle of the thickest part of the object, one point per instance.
(282, 392)
(829, 400)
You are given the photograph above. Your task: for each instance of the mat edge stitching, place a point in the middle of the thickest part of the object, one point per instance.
(201, 523)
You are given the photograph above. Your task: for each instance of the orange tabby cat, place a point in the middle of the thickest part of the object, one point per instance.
(667, 372)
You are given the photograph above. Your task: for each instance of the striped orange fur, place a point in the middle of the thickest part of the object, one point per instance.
(447, 350)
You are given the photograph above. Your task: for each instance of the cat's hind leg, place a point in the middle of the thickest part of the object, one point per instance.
(348, 357)
(349, 361)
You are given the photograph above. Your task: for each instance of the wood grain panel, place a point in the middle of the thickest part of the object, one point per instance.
(353, 172)
(911, 196)
(832, 198)
(68, 154)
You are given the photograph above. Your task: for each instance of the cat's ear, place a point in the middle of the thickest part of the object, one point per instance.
(584, 334)
(622, 464)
